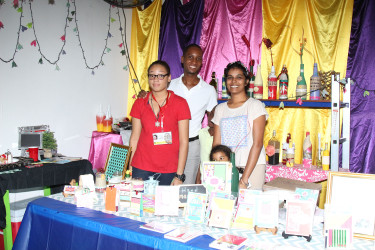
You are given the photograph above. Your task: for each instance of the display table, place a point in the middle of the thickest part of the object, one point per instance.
(49, 174)
(56, 223)
(100, 143)
(298, 172)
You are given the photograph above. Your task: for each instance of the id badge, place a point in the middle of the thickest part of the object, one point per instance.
(162, 138)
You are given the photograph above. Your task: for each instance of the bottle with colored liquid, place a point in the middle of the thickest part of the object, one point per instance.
(285, 148)
(301, 89)
(274, 159)
(224, 93)
(250, 90)
(307, 151)
(325, 158)
(272, 85)
(283, 84)
(100, 119)
(315, 84)
(213, 81)
(107, 123)
(235, 175)
(290, 154)
(258, 84)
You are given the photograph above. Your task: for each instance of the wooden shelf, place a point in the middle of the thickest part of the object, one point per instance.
(292, 103)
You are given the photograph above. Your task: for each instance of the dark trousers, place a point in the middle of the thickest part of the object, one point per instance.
(163, 178)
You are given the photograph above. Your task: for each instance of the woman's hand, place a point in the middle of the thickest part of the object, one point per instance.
(176, 182)
(242, 185)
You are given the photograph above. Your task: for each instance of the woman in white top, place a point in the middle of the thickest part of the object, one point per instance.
(239, 124)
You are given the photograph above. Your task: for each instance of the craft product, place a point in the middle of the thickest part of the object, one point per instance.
(250, 90)
(275, 144)
(315, 84)
(301, 89)
(307, 151)
(272, 85)
(258, 84)
(283, 83)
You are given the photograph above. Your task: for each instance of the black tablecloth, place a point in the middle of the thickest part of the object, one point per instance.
(47, 175)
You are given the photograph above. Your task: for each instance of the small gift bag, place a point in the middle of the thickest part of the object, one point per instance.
(111, 199)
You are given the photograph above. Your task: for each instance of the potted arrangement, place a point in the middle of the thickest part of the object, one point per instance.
(49, 144)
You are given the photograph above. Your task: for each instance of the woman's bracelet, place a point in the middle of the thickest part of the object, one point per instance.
(246, 184)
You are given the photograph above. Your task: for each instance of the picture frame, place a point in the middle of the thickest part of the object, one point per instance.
(117, 160)
(350, 190)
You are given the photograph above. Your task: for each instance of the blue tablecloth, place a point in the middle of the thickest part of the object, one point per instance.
(52, 224)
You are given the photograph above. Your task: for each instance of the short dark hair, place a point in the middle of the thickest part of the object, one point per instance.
(238, 65)
(162, 63)
(193, 45)
(220, 148)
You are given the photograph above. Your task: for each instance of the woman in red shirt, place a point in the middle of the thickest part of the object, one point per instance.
(160, 130)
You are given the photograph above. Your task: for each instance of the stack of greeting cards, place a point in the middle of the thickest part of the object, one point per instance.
(217, 176)
(183, 234)
(229, 241)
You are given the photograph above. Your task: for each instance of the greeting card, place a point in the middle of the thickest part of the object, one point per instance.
(244, 216)
(217, 176)
(221, 213)
(299, 217)
(166, 200)
(247, 196)
(229, 241)
(266, 210)
(338, 226)
(148, 203)
(112, 199)
(196, 207)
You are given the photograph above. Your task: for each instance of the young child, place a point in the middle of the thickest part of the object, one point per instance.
(220, 153)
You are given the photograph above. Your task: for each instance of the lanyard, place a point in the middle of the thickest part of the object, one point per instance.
(161, 112)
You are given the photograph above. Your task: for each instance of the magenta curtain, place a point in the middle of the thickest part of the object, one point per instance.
(224, 23)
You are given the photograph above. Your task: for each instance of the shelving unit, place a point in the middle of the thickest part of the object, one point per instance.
(336, 107)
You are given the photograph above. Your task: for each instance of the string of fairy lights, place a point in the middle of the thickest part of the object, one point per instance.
(71, 15)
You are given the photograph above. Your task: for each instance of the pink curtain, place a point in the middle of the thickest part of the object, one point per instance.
(224, 24)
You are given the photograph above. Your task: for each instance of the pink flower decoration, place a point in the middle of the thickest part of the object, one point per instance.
(270, 150)
(33, 43)
(120, 45)
(62, 38)
(299, 101)
(1, 25)
(134, 97)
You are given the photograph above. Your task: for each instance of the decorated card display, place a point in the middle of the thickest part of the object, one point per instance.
(247, 196)
(244, 217)
(112, 198)
(221, 213)
(229, 241)
(183, 234)
(217, 176)
(166, 200)
(211, 198)
(117, 160)
(185, 189)
(338, 227)
(148, 203)
(196, 207)
(267, 211)
(299, 217)
(307, 194)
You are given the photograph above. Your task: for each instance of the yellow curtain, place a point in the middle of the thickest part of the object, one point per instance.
(143, 47)
(326, 25)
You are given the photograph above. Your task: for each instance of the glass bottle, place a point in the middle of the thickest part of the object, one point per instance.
(100, 119)
(325, 158)
(224, 93)
(318, 162)
(258, 84)
(235, 175)
(250, 90)
(107, 123)
(315, 84)
(283, 83)
(307, 151)
(301, 89)
(290, 154)
(213, 81)
(274, 159)
(285, 148)
(272, 85)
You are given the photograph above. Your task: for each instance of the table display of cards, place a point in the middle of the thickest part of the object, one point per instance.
(263, 240)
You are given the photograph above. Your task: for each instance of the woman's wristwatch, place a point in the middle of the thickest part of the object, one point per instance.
(181, 177)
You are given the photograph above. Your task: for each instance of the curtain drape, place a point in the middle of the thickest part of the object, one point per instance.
(224, 24)
(361, 65)
(180, 26)
(326, 27)
(143, 46)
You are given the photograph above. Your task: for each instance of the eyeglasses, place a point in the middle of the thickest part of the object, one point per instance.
(160, 76)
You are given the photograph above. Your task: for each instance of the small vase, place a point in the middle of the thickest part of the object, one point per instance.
(47, 153)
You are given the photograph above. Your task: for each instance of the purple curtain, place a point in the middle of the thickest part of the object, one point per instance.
(180, 26)
(224, 24)
(361, 68)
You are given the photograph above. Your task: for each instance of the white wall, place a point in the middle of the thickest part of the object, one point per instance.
(67, 100)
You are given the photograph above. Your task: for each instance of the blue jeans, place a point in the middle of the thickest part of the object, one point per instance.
(164, 179)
